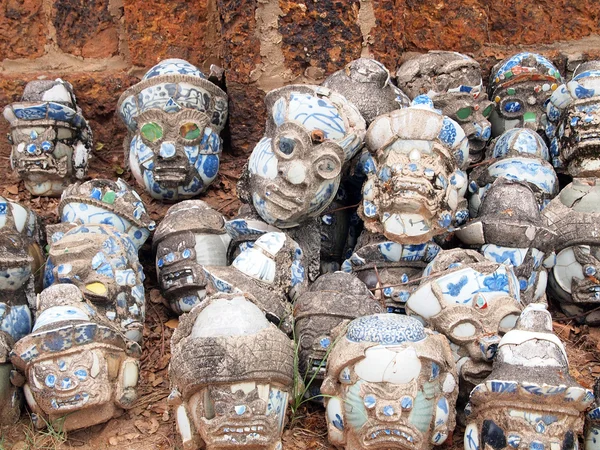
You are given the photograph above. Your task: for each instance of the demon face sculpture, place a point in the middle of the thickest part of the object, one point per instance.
(237, 397)
(415, 181)
(520, 87)
(191, 236)
(51, 140)
(392, 385)
(77, 371)
(174, 117)
(529, 401)
(453, 81)
(294, 171)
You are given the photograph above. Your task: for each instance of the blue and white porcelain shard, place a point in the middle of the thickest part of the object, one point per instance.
(254, 385)
(417, 188)
(529, 400)
(174, 116)
(51, 141)
(520, 87)
(294, 171)
(379, 386)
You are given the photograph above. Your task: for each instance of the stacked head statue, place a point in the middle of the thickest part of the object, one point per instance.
(174, 117)
(51, 140)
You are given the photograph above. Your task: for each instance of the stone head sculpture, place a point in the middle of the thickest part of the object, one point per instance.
(529, 400)
(574, 122)
(77, 370)
(415, 180)
(391, 384)
(366, 83)
(519, 154)
(520, 87)
(191, 236)
(472, 302)
(232, 374)
(174, 117)
(104, 202)
(294, 171)
(51, 140)
(453, 81)
(104, 265)
(510, 230)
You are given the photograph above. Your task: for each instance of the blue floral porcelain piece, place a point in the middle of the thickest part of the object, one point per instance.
(174, 117)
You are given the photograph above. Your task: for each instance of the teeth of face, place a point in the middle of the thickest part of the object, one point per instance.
(246, 429)
(254, 428)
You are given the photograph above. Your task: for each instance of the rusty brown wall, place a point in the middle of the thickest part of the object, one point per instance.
(104, 46)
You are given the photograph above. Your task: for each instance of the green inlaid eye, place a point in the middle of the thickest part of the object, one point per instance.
(152, 131)
(487, 111)
(529, 117)
(189, 131)
(464, 113)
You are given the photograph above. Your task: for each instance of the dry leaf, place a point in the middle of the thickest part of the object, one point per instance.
(13, 189)
(173, 323)
(149, 426)
(157, 381)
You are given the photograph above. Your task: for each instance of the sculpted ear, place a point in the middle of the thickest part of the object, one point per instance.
(424, 302)
(335, 421)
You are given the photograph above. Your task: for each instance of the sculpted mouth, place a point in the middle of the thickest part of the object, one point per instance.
(389, 436)
(183, 276)
(475, 144)
(285, 200)
(42, 164)
(76, 400)
(170, 174)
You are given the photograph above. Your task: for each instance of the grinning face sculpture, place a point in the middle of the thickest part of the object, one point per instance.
(51, 140)
(453, 81)
(520, 87)
(472, 302)
(238, 396)
(391, 384)
(294, 171)
(415, 183)
(174, 117)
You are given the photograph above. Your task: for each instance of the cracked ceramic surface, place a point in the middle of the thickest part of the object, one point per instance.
(76, 367)
(51, 140)
(232, 374)
(510, 230)
(391, 383)
(103, 264)
(471, 301)
(574, 122)
(520, 87)
(453, 81)
(294, 171)
(574, 216)
(519, 154)
(191, 235)
(415, 180)
(529, 400)
(366, 83)
(592, 421)
(174, 117)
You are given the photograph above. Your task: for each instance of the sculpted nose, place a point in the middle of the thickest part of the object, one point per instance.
(167, 150)
(489, 346)
(296, 173)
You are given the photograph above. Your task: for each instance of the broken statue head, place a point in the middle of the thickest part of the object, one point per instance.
(294, 171)
(453, 81)
(232, 374)
(390, 384)
(51, 140)
(174, 117)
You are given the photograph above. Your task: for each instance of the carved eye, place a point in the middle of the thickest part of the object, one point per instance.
(370, 401)
(328, 166)
(464, 113)
(508, 323)
(152, 131)
(189, 131)
(487, 111)
(464, 331)
(287, 145)
(512, 107)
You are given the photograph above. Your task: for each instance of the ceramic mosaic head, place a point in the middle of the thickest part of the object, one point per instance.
(76, 368)
(510, 230)
(105, 202)
(51, 140)
(387, 268)
(529, 401)
(232, 375)
(592, 421)
(518, 154)
(520, 87)
(392, 385)
(574, 217)
(471, 301)
(415, 180)
(574, 122)
(192, 235)
(453, 81)
(174, 117)
(294, 171)
(103, 263)
(366, 83)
